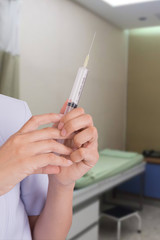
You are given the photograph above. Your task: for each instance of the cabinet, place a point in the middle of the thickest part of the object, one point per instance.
(85, 222)
(151, 181)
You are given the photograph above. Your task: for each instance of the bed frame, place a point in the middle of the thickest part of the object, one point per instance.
(86, 204)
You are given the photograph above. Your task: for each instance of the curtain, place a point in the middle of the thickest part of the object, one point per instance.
(9, 52)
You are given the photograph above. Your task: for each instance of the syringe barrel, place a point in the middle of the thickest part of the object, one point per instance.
(78, 85)
(76, 91)
(81, 79)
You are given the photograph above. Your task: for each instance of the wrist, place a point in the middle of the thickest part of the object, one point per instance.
(60, 186)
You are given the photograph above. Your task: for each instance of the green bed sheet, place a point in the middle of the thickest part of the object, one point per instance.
(111, 162)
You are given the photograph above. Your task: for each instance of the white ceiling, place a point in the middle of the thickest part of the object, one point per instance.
(126, 17)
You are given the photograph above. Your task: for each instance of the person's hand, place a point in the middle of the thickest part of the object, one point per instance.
(79, 127)
(32, 151)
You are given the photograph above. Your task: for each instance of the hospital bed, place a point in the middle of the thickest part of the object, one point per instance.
(112, 169)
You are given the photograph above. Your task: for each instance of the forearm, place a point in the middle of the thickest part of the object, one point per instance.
(56, 217)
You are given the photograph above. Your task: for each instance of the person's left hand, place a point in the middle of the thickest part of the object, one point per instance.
(79, 127)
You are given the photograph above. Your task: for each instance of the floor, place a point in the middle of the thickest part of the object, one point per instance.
(151, 226)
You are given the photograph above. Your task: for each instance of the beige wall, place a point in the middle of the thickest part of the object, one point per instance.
(55, 37)
(143, 125)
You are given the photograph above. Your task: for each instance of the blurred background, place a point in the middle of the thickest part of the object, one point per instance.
(42, 45)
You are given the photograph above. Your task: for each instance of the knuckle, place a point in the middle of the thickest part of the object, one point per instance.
(82, 153)
(50, 157)
(89, 118)
(53, 131)
(94, 131)
(63, 161)
(16, 139)
(34, 119)
(64, 118)
(50, 142)
(81, 110)
(76, 141)
(69, 128)
(49, 130)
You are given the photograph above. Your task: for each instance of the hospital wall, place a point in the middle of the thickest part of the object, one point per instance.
(143, 114)
(55, 38)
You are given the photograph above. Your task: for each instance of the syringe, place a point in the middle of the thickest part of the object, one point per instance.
(79, 83)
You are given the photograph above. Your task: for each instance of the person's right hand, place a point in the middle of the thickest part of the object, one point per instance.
(32, 151)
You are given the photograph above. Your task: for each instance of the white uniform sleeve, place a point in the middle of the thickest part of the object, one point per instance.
(34, 188)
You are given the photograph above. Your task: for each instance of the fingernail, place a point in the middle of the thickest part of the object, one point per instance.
(63, 132)
(69, 162)
(60, 125)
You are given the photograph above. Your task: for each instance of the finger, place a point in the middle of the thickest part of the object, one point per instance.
(76, 124)
(51, 170)
(88, 157)
(64, 107)
(43, 134)
(87, 135)
(71, 115)
(49, 146)
(48, 170)
(43, 160)
(38, 120)
(62, 112)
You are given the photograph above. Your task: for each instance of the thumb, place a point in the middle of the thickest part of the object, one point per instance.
(61, 112)
(48, 170)
(64, 107)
